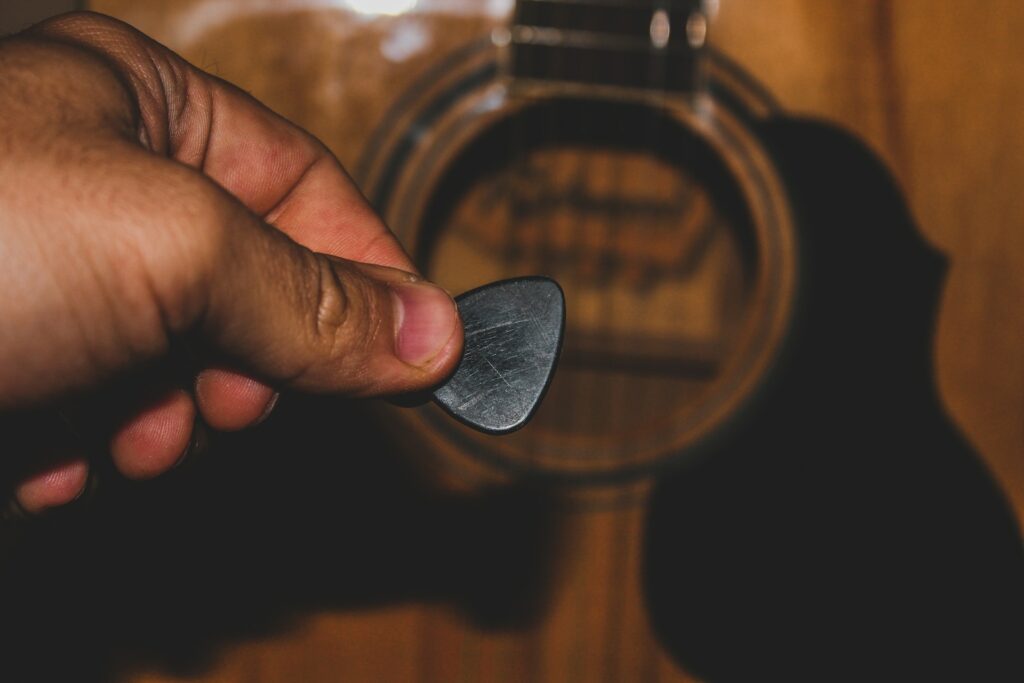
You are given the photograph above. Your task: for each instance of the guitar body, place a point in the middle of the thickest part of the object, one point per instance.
(759, 364)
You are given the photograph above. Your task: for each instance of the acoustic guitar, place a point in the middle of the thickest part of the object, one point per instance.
(771, 451)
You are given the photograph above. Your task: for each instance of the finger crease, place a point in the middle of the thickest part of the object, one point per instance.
(278, 208)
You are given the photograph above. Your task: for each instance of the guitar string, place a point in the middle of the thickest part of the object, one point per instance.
(622, 545)
(590, 238)
(617, 387)
(565, 171)
(520, 185)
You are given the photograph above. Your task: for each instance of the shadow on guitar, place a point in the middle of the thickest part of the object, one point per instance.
(843, 529)
(840, 529)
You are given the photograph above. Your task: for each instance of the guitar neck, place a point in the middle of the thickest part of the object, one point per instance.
(628, 44)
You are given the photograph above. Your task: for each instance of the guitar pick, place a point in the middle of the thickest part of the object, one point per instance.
(513, 332)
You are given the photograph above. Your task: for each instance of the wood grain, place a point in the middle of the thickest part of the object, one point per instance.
(935, 87)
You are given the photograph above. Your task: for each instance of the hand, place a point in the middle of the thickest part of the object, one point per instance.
(147, 207)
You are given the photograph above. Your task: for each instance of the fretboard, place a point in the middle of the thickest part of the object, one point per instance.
(645, 44)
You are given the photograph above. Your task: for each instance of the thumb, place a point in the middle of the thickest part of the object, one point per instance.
(317, 323)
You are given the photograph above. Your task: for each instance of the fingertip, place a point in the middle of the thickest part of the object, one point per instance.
(446, 360)
(230, 401)
(156, 437)
(56, 485)
(428, 331)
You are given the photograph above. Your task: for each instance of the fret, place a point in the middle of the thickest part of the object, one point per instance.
(636, 44)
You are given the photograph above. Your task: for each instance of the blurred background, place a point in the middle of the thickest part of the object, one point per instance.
(17, 14)
(786, 437)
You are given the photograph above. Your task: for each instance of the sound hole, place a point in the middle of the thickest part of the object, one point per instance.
(649, 236)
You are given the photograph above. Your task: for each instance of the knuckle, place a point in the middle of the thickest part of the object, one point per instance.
(347, 317)
(159, 81)
(333, 302)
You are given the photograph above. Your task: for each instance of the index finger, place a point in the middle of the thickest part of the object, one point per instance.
(286, 176)
(276, 169)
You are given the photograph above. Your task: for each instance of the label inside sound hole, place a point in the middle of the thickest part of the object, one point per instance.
(652, 271)
(650, 237)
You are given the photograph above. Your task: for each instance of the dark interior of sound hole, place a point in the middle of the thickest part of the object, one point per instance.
(641, 223)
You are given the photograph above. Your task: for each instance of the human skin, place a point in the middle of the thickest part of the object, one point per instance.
(148, 207)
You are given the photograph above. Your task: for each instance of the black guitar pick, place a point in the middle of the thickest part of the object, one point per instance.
(513, 332)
